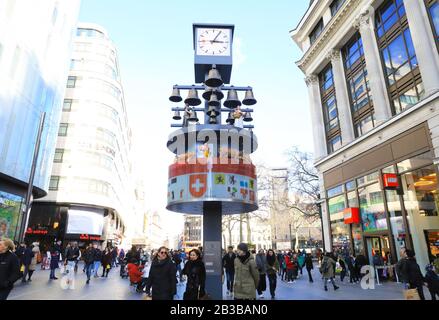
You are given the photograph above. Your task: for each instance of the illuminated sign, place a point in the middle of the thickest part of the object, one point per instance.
(351, 215)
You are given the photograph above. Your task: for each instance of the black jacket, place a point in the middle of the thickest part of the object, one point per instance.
(27, 256)
(308, 263)
(196, 279)
(89, 256)
(72, 254)
(133, 257)
(98, 255)
(360, 261)
(432, 280)
(162, 279)
(412, 273)
(229, 262)
(9, 270)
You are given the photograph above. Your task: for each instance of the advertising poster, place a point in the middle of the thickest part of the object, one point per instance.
(9, 213)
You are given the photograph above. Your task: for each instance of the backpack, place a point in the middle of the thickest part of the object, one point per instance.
(325, 267)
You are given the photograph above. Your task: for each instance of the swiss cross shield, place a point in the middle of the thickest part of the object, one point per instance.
(198, 185)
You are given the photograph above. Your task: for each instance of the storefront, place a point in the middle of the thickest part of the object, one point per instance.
(10, 212)
(397, 202)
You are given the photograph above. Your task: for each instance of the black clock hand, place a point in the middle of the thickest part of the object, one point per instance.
(217, 36)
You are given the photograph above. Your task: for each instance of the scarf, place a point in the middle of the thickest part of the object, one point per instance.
(244, 257)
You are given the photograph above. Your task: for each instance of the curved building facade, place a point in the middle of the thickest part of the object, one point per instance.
(91, 193)
(35, 46)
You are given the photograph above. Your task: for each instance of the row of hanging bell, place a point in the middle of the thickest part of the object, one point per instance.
(247, 118)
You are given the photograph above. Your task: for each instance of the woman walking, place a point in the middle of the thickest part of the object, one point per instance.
(34, 261)
(195, 271)
(327, 270)
(412, 274)
(246, 274)
(9, 268)
(272, 270)
(107, 259)
(162, 280)
(309, 266)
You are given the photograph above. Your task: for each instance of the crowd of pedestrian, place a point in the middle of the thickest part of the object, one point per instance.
(247, 273)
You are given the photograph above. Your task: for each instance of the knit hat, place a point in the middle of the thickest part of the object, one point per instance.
(243, 247)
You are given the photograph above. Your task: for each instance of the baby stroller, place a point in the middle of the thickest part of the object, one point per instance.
(123, 268)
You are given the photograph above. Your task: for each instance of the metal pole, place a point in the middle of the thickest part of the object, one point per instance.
(25, 218)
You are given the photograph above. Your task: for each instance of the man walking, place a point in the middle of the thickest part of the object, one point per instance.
(229, 266)
(89, 259)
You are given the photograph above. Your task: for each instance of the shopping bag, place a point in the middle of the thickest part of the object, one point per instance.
(22, 268)
(411, 294)
(108, 266)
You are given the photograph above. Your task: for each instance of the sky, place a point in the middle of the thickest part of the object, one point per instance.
(155, 47)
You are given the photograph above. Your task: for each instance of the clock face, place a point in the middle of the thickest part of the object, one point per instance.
(213, 42)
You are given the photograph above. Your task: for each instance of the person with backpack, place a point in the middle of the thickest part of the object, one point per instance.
(246, 274)
(9, 268)
(327, 271)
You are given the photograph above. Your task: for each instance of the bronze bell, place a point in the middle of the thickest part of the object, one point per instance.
(249, 99)
(214, 101)
(193, 116)
(177, 115)
(232, 101)
(209, 91)
(175, 97)
(192, 98)
(248, 117)
(214, 79)
(213, 111)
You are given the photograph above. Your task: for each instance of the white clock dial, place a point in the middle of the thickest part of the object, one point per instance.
(213, 42)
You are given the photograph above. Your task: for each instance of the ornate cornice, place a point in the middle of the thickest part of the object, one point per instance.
(327, 34)
(364, 19)
(311, 79)
(333, 55)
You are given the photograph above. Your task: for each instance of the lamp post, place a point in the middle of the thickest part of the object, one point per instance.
(212, 174)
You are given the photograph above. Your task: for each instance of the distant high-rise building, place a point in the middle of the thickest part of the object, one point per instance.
(92, 192)
(35, 47)
(192, 234)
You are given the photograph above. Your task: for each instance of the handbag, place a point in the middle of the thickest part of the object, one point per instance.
(22, 268)
(411, 294)
(205, 297)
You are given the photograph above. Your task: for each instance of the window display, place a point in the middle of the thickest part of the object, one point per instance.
(10, 208)
(372, 211)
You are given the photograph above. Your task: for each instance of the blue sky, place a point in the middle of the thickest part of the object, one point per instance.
(154, 41)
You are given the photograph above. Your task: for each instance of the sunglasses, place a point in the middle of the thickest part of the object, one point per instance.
(163, 252)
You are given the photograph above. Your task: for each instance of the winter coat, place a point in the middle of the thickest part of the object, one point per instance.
(98, 255)
(246, 278)
(89, 256)
(196, 279)
(72, 254)
(301, 260)
(27, 256)
(106, 260)
(9, 270)
(162, 279)
(327, 267)
(272, 269)
(261, 263)
(134, 273)
(432, 280)
(289, 262)
(309, 263)
(229, 262)
(360, 261)
(36, 252)
(399, 268)
(412, 273)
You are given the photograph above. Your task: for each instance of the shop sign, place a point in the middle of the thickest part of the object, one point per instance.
(89, 237)
(351, 215)
(40, 232)
(390, 181)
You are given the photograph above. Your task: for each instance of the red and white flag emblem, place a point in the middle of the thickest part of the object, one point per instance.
(198, 185)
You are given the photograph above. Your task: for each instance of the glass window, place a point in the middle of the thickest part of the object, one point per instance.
(54, 183)
(59, 154)
(373, 216)
(352, 199)
(357, 237)
(335, 191)
(336, 207)
(67, 106)
(421, 191)
(340, 235)
(388, 15)
(10, 212)
(350, 185)
(63, 128)
(434, 14)
(316, 32)
(335, 6)
(71, 82)
(370, 178)
(422, 160)
(396, 221)
(335, 144)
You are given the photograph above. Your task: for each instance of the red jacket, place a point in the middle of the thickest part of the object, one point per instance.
(134, 272)
(289, 263)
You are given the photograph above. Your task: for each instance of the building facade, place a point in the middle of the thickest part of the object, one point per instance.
(35, 47)
(92, 195)
(193, 231)
(372, 71)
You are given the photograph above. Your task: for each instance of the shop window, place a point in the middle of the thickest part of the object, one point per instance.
(357, 239)
(396, 221)
(351, 185)
(370, 178)
(373, 215)
(335, 191)
(340, 235)
(10, 212)
(336, 207)
(352, 199)
(419, 161)
(421, 191)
